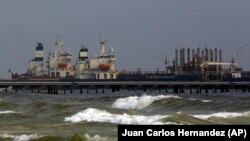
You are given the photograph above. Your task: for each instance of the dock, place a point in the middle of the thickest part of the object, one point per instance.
(53, 86)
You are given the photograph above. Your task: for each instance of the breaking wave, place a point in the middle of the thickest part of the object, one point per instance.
(98, 138)
(205, 101)
(227, 115)
(135, 102)
(8, 112)
(25, 137)
(96, 115)
(19, 138)
(32, 137)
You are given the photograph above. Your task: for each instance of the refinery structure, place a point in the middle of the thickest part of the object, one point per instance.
(205, 62)
(189, 64)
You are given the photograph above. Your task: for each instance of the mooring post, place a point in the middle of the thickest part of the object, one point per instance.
(197, 90)
(48, 90)
(243, 89)
(54, 89)
(182, 89)
(176, 89)
(206, 90)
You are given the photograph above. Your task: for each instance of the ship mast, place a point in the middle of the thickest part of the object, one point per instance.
(58, 45)
(103, 47)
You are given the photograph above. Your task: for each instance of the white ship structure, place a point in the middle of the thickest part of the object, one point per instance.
(100, 66)
(59, 64)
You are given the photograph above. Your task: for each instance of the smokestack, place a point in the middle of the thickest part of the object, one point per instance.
(211, 55)
(202, 56)
(188, 58)
(220, 55)
(176, 58)
(215, 55)
(198, 53)
(180, 58)
(184, 59)
(193, 58)
(206, 54)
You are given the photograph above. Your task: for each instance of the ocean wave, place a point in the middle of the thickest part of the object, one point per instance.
(40, 137)
(205, 101)
(8, 112)
(98, 138)
(222, 115)
(4, 136)
(135, 102)
(25, 137)
(19, 138)
(96, 115)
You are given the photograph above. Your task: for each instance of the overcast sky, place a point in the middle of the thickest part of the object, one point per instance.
(136, 29)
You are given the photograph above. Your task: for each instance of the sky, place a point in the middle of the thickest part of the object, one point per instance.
(142, 32)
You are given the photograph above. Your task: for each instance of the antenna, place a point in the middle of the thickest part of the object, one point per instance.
(100, 37)
(69, 47)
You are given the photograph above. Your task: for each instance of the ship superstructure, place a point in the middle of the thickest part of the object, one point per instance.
(59, 63)
(36, 66)
(98, 67)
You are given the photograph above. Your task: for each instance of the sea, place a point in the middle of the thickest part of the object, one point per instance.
(26, 116)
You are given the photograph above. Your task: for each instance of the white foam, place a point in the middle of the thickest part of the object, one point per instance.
(19, 138)
(206, 101)
(96, 115)
(135, 102)
(200, 100)
(8, 112)
(96, 138)
(223, 115)
(24, 137)
(4, 135)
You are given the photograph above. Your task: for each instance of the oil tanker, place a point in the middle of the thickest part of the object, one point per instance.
(200, 64)
(60, 66)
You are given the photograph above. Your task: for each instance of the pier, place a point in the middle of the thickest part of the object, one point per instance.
(53, 86)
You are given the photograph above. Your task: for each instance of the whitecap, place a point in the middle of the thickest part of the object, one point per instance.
(19, 138)
(8, 112)
(205, 101)
(135, 102)
(222, 115)
(4, 135)
(24, 137)
(96, 115)
(96, 138)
